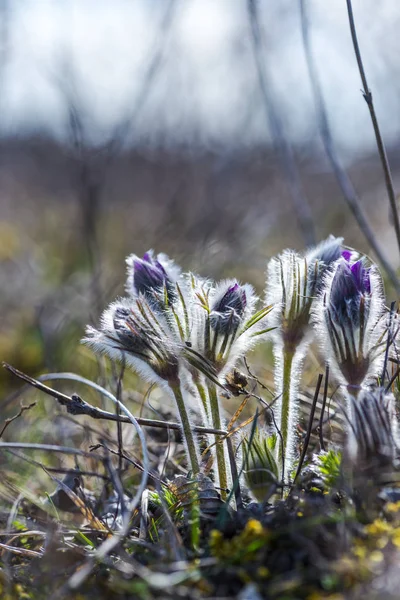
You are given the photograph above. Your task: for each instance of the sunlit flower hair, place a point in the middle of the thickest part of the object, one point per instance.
(350, 321)
(136, 330)
(293, 281)
(293, 284)
(226, 323)
(130, 330)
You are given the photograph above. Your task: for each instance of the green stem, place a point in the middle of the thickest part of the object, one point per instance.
(187, 430)
(219, 448)
(285, 405)
(203, 397)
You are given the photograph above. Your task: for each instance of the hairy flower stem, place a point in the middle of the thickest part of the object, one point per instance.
(203, 397)
(219, 448)
(285, 405)
(187, 430)
(289, 362)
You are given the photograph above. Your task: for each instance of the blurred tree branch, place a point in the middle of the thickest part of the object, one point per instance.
(348, 191)
(276, 127)
(379, 140)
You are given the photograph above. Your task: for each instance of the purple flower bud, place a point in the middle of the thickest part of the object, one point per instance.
(351, 287)
(228, 311)
(350, 313)
(150, 278)
(123, 332)
(233, 299)
(319, 260)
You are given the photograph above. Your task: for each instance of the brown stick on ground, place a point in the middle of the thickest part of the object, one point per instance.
(76, 406)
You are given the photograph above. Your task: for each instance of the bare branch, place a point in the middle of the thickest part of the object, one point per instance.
(19, 414)
(379, 140)
(348, 191)
(76, 406)
(310, 424)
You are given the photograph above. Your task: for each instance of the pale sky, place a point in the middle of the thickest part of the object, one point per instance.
(206, 91)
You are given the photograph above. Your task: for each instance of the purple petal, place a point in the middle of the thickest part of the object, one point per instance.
(347, 254)
(361, 277)
(147, 257)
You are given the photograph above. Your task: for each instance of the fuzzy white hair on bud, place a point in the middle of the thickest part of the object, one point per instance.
(373, 432)
(153, 275)
(130, 331)
(349, 318)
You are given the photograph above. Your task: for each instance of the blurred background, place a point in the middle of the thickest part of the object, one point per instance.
(194, 127)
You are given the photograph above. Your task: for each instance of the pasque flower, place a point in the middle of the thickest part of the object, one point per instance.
(227, 311)
(131, 331)
(225, 326)
(350, 321)
(182, 332)
(293, 283)
(136, 331)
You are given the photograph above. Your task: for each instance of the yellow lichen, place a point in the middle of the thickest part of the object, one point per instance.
(242, 547)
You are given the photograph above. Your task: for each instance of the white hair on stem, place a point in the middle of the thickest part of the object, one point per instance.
(373, 432)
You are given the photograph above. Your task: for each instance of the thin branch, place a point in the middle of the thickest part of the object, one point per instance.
(348, 191)
(379, 141)
(321, 417)
(118, 395)
(60, 470)
(388, 342)
(19, 414)
(76, 406)
(122, 130)
(116, 482)
(153, 476)
(49, 448)
(393, 379)
(309, 429)
(20, 551)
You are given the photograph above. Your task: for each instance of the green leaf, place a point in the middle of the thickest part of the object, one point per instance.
(256, 318)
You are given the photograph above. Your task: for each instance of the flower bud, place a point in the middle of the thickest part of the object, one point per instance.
(373, 429)
(227, 312)
(293, 282)
(125, 333)
(349, 319)
(152, 277)
(260, 469)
